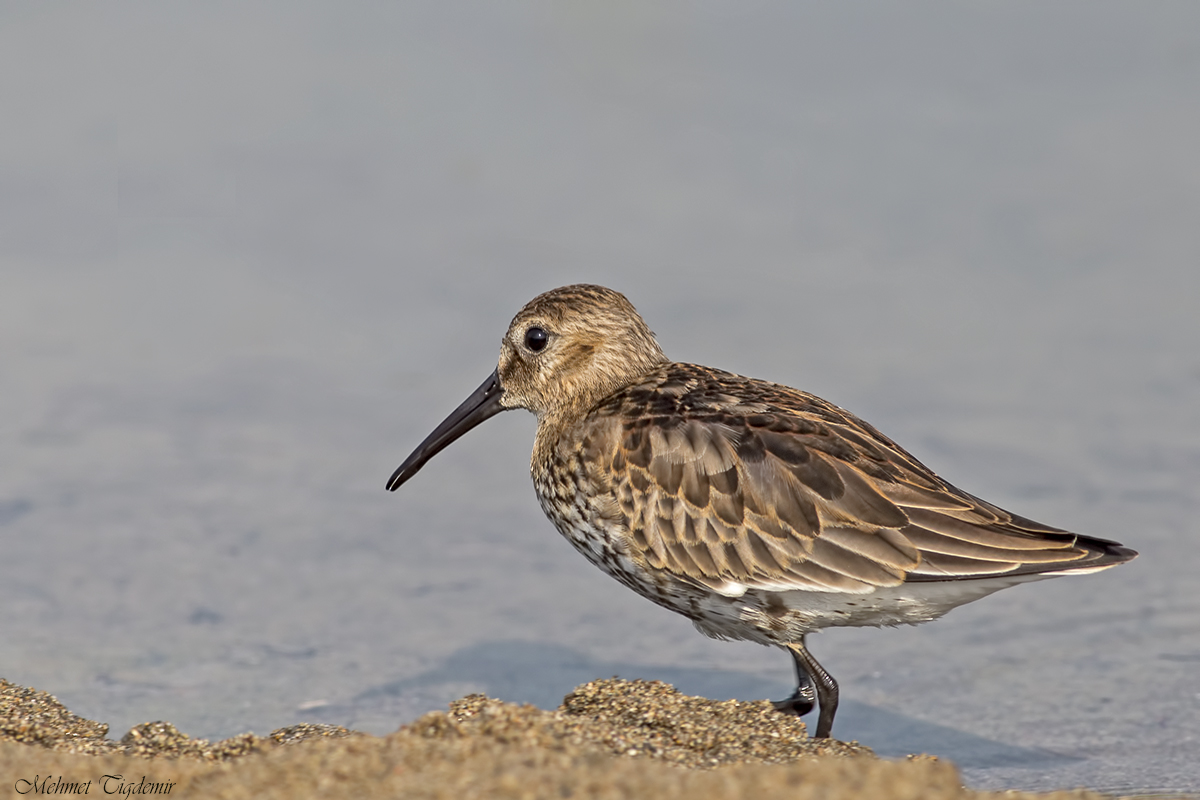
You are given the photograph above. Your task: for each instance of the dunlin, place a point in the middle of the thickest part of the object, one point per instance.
(757, 511)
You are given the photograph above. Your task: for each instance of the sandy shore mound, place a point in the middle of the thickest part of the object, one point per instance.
(33, 717)
(609, 739)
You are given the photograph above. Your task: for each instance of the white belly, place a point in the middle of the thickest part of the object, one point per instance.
(778, 617)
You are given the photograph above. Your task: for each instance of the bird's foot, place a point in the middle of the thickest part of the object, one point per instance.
(800, 703)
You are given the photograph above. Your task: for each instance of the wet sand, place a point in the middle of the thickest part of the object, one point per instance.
(609, 738)
(253, 253)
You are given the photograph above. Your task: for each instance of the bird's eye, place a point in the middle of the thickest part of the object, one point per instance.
(536, 338)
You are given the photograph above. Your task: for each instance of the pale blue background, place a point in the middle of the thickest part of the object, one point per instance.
(251, 253)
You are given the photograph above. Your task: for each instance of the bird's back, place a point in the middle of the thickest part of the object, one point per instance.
(730, 484)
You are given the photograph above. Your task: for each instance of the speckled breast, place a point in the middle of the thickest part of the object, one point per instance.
(574, 505)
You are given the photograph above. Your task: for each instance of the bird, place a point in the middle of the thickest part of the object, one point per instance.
(758, 511)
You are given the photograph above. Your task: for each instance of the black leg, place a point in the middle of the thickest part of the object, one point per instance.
(812, 676)
(804, 699)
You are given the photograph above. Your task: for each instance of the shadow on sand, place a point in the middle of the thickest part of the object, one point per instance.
(541, 673)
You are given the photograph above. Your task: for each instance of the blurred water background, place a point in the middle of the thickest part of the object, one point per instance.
(250, 254)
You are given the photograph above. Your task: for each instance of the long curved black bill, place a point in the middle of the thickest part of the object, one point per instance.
(483, 403)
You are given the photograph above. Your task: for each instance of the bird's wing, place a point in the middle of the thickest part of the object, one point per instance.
(798, 494)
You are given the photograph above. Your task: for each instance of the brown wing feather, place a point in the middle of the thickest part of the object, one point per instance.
(777, 489)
